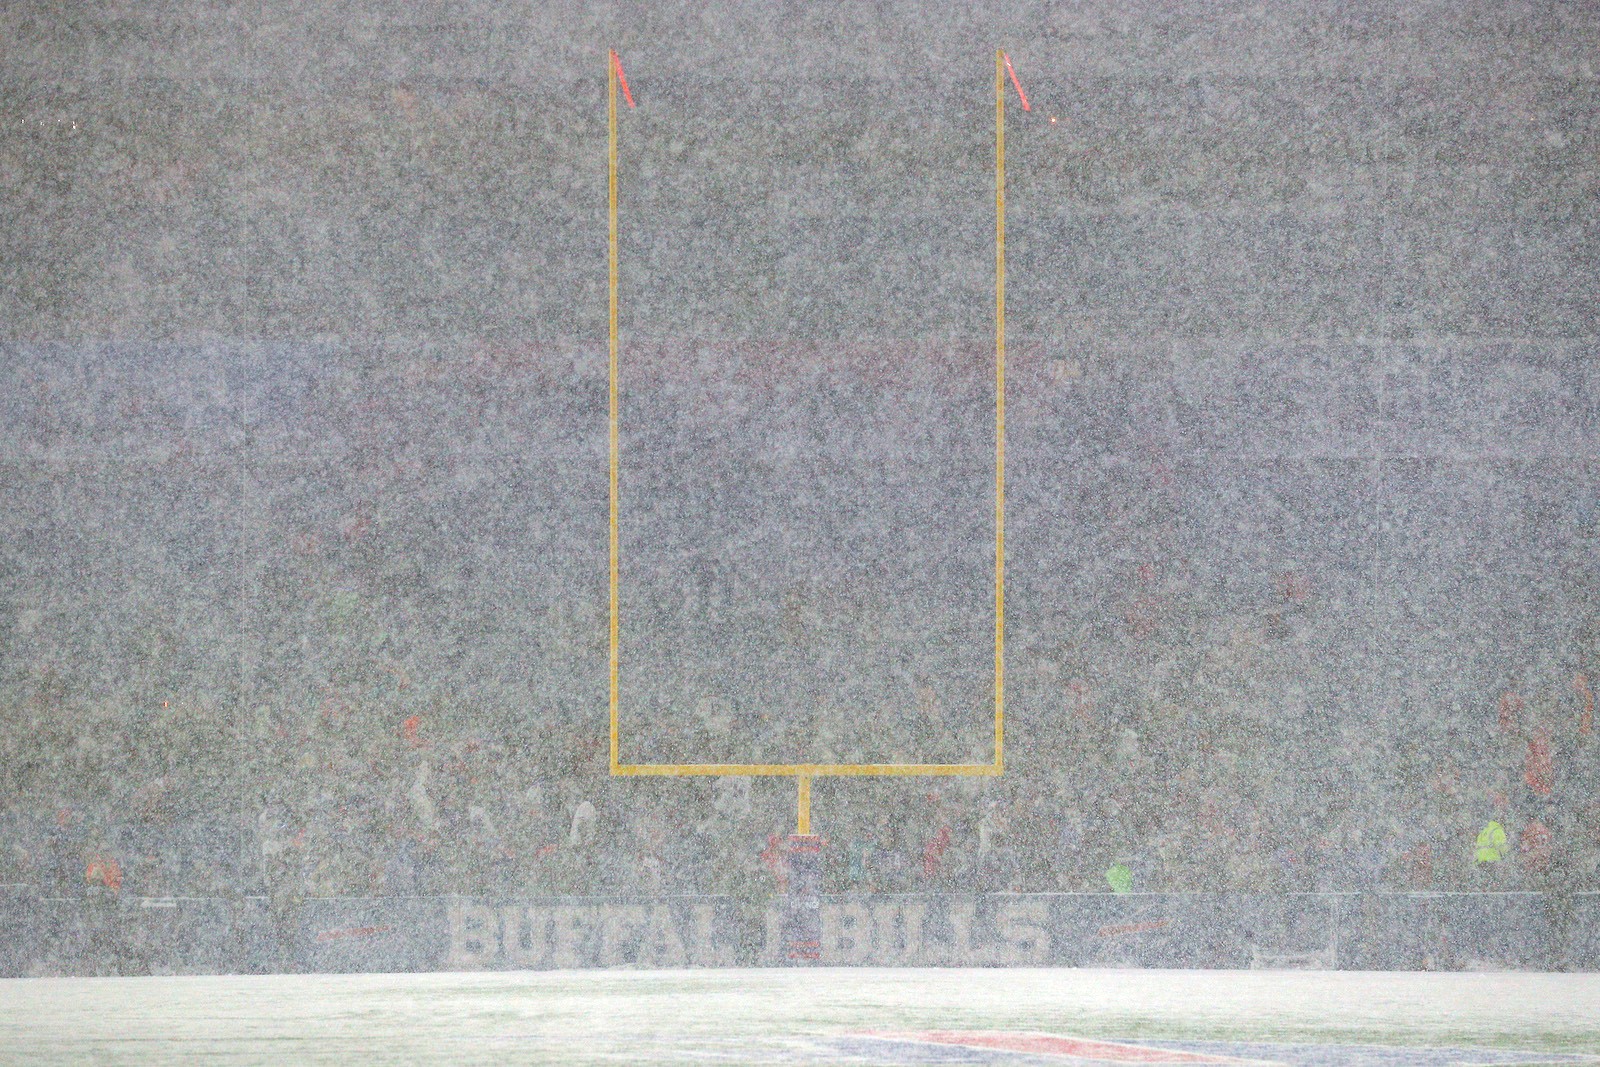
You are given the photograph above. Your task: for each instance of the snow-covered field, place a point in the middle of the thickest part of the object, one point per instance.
(808, 1016)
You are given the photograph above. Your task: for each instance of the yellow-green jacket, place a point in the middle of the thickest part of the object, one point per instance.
(1492, 843)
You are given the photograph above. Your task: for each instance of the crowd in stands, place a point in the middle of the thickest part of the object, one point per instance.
(389, 676)
(343, 802)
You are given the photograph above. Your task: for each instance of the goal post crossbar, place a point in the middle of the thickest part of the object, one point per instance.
(806, 770)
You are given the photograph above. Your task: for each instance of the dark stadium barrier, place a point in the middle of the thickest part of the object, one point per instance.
(345, 934)
(1449, 930)
(176, 935)
(1311, 930)
(28, 847)
(185, 858)
(109, 934)
(1575, 931)
(1351, 931)
(19, 936)
(180, 858)
(114, 934)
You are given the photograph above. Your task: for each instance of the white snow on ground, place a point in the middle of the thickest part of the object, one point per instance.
(766, 1016)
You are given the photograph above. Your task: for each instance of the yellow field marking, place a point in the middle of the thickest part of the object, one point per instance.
(803, 823)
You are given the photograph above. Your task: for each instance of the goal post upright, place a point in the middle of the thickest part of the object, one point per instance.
(999, 410)
(805, 772)
(614, 440)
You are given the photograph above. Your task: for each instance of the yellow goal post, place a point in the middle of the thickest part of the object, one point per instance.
(805, 772)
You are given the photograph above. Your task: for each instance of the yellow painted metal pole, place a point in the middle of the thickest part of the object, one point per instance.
(813, 770)
(804, 822)
(999, 410)
(611, 158)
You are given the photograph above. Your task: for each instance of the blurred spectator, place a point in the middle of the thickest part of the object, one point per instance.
(775, 856)
(423, 809)
(1491, 844)
(890, 864)
(103, 872)
(1534, 847)
(1510, 709)
(1539, 765)
(582, 832)
(933, 852)
(1120, 878)
(995, 862)
(858, 852)
(1417, 866)
(1585, 694)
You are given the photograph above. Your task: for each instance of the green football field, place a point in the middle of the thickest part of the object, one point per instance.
(844, 1016)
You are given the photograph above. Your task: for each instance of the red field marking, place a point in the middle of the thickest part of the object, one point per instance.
(1053, 1045)
(352, 931)
(616, 61)
(1132, 928)
(1020, 93)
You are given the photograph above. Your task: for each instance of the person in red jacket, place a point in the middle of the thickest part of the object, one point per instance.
(1538, 769)
(104, 943)
(1511, 706)
(1580, 686)
(104, 871)
(1534, 846)
(933, 852)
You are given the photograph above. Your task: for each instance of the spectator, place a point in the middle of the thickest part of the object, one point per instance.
(858, 852)
(1539, 765)
(890, 866)
(933, 852)
(1348, 860)
(1120, 878)
(582, 833)
(1251, 865)
(1416, 863)
(1070, 845)
(423, 809)
(103, 873)
(106, 942)
(995, 860)
(279, 841)
(1491, 844)
(1510, 711)
(775, 856)
(1580, 686)
(1534, 847)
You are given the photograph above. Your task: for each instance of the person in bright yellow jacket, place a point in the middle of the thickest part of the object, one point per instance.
(1491, 843)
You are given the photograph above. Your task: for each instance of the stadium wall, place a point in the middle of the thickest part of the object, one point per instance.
(1349, 931)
